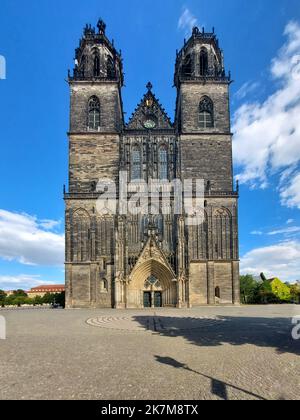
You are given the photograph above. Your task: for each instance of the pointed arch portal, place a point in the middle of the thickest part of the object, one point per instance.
(138, 291)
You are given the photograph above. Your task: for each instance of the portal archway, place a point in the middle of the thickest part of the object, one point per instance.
(138, 285)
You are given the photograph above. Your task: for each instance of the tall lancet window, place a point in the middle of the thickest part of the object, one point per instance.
(111, 73)
(83, 64)
(96, 69)
(216, 67)
(136, 164)
(187, 66)
(163, 163)
(206, 113)
(203, 62)
(94, 113)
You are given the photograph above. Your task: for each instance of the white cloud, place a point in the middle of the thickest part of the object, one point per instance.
(49, 224)
(246, 89)
(280, 260)
(285, 231)
(25, 239)
(290, 192)
(187, 21)
(267, 134)
(22, 281)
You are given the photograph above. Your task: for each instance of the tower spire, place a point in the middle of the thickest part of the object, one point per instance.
(101, 25)
(149, 86)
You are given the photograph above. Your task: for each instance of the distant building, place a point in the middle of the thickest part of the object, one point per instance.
(41, 291)
(9, 292)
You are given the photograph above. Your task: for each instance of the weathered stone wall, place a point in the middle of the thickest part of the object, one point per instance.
(90, 283)
(80, 284)
(85, 287)
(223, 280)
(198, 284)
(206, 277)
(92, 157)
(217, 237)
(208, 157)
(191, 94)
(110, 106)
(206, 154)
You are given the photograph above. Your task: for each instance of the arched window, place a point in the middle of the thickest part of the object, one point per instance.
(206, 113)
(94, 113)
(218, 292)
(104, 235)
(81, 225)
(111, 73)
(152, 282)
(83, 64)
(198, 234)
(216, 67)
(187, 66)
(144, 227)
(223, 234)
(103, 286)
(163, 163)
(203, 62)
(136, 164)
(96, 69)
(159, 223)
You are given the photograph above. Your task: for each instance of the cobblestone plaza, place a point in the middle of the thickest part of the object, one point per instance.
(205, 353)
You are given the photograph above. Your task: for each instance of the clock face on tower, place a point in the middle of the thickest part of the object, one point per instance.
(149, 124)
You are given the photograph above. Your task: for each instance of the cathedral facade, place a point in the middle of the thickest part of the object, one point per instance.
(151, 258)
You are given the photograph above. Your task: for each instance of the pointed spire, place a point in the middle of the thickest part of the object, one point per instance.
(149, 86)
(196, 30)
(101, 26)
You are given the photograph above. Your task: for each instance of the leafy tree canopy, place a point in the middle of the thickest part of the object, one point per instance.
(2, 295)
(281, 290)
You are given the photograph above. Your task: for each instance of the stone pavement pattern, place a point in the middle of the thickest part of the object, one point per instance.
(205, 353)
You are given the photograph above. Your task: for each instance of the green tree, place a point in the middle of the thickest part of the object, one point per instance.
(2, 295)
(18, 300)
(248, 289)
(265, 293)
(38, 300)
(2, 298)
(20, 293)
(60, 299)
(281, 290)
(295, 293)
(48, 299)
(28, 301)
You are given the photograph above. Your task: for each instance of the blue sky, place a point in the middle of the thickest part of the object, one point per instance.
(261, 42)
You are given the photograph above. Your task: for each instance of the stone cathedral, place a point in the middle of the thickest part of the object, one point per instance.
(147, 260)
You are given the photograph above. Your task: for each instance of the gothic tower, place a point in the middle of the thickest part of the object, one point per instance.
(150, 258)
(96, 121)
(203, 126)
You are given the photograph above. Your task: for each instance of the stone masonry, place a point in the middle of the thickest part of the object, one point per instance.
(150, 259)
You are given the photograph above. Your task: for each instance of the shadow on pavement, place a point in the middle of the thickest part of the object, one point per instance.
(237, 331)
(218, 388)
